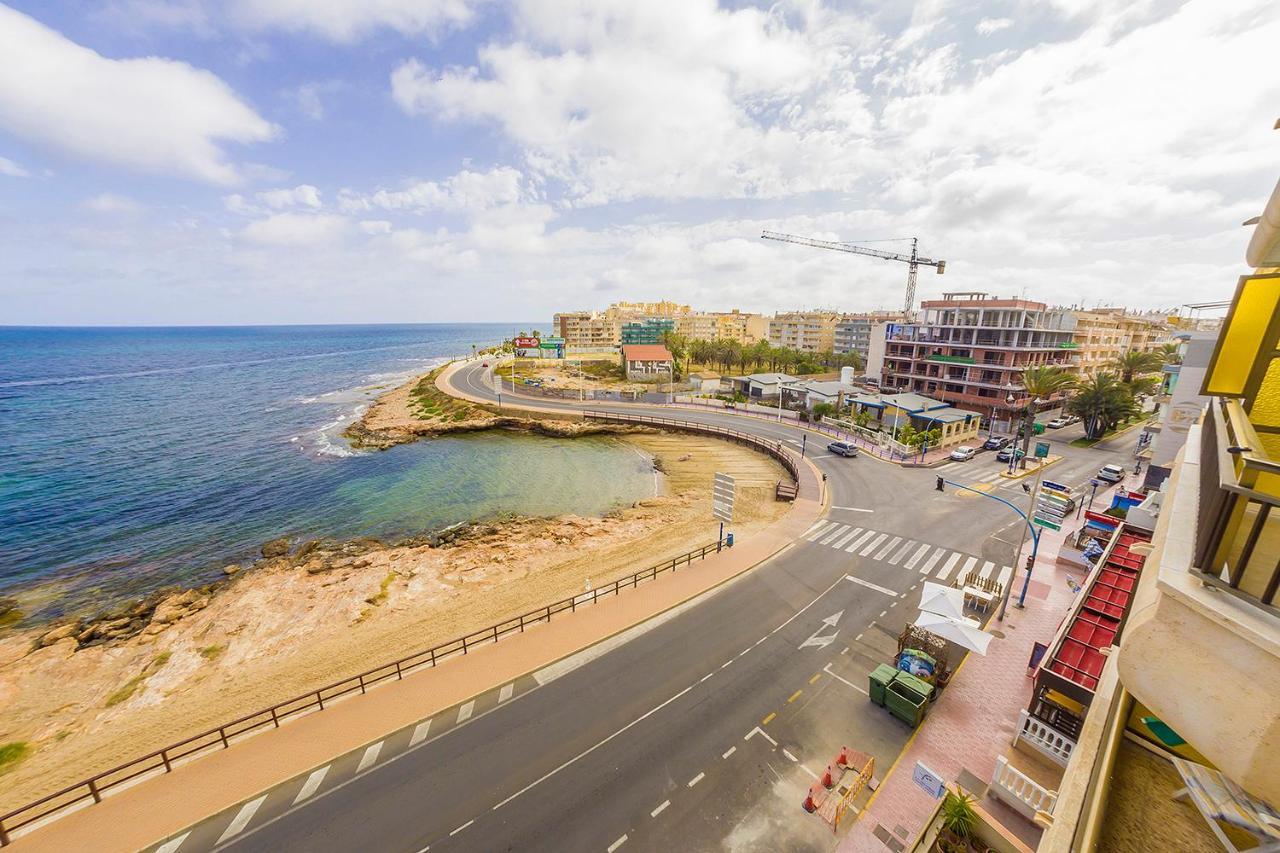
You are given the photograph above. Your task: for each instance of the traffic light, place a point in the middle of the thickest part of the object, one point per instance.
(938, 485)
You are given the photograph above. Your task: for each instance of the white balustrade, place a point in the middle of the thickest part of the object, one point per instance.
(1019, 792)
(1052, 743)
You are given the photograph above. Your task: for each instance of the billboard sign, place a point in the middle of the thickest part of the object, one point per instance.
(526, 343)
(722, 495)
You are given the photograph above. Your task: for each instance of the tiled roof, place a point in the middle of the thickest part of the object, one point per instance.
(645, 352)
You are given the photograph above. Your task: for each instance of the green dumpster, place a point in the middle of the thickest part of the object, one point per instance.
(907, 698)
(880, 678)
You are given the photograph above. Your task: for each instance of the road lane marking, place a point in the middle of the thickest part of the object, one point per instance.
(870, 585)
(309, 787)
(731, 751)
(807, 770)
(242, 818)
(744, 651)
(420, 732)
(464, 713)
(893, 543)
(759, 731)
(726, 663)
(987, 568)
(853, 509)
(615, 845)
(945, 571)
(695, 780)
(705, 677)
(464, 826)
(875, 543)
(370, 756)
(660, 808)
(882, 613)
(789, 756)
(505, 693)
(173, 843)
(767, 720)
(839, 530)
(967, 568)
(844, 540)
(646, 715)
(915, 558)
(932, 561)
(827, 670)
(826, 525)
(897, 558)
(857, 543)
(795, 696)
(813, 527)
(816, 676)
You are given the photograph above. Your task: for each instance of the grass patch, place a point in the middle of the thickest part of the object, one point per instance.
(13, 752)
(130, 687)
(212, 652)
(429, 403)
(382, 593)
(161, 659)
(1085, 442)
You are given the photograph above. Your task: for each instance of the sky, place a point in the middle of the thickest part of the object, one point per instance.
(342, 161)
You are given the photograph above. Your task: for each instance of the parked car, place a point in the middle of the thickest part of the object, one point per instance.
(842, 448)
(963, 453)
(1058, 423)
(1073, 419)
(996, 442)
(1009, 453)
(1111, 473)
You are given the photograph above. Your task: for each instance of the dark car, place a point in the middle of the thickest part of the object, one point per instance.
(1007, 454)
(995, 443)
(841, 448)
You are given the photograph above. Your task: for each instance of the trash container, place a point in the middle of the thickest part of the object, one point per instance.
(907, 698)
(728, 540)
(880, 678)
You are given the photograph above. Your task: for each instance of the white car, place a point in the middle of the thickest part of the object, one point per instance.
(963, 453)
(1058, 423)
(1111, 473)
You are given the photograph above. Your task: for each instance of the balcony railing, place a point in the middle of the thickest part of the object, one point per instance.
(1047, 740)
(1238, 534)
(1020, 792)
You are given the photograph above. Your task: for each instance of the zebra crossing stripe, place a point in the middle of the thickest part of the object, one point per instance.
(875, 543)
(242, 818)
(857, 543)
(893, 543)
(985, 574)
(932, 561)
(963, 574)
(826, 525)
(846, 538)
(832, 534)
(915, 558)
(902, 552)
(1006, 574)
(945, 571)
(813, 527)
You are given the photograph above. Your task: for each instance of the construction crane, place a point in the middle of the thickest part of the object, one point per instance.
(914, 260)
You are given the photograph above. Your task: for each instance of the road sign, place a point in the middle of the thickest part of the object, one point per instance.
(551, 343)
(930, 781)
(1043, 522)
(1055, 487)
(722, 494)
(1042, 449)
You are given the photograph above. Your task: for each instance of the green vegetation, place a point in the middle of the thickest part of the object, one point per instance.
(161, 659)
(427, 402)
(212, 652)
(13, 752)
(958, 822)
(728, 355)
(131, 686)
(381, 595)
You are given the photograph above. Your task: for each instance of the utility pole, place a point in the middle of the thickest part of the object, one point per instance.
(1022, 542)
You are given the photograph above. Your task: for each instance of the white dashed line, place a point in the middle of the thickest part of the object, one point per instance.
(505, 693)
(242, 818)
(870, 585)
(743, 652)
(464, 826)
(370, 756)
(309, 787)
(726, 663)
(660, 809)
(695, 780)
(789, 756)
(615, 845)
(731, 751)
(705, 677)
(173, 843)
(464, 713)
(882, 613)
(420, 732)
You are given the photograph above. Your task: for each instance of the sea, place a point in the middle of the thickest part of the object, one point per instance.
(135, 459)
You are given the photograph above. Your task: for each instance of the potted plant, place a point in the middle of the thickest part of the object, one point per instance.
(958, 821)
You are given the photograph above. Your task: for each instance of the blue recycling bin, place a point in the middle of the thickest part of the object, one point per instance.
(728, 540)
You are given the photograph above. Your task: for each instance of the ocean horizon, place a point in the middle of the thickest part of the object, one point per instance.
(141, 457)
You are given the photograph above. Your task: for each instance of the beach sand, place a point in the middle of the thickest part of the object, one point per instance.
(292, 624)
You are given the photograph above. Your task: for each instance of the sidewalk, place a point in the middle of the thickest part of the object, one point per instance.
(973, 721)
(162, 805)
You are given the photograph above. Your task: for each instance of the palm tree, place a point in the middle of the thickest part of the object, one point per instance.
(1043, 381)
(1170, 352)
(1102, 401)
(1135, 363)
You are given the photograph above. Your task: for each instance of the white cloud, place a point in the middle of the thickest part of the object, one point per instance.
(151, 114)
(111, 203)
(303, 195)
(348, 20)
(12, 169)
(467, 191)
(375, 226)
(297, 229)
(987, 26)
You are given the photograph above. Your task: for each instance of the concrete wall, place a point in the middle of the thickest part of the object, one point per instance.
(1186, 403)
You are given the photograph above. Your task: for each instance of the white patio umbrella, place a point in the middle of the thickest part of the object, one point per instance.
(942, 600)
(963, 633)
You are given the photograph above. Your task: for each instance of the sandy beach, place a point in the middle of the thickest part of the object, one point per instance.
(320, 611)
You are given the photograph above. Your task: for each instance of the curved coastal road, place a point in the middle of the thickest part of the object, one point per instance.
(700, 731)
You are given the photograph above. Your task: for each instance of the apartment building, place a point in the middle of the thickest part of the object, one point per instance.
(1177, 748)
(808, 331)
(1104, 334)
(738, 326)
(587, 329)
(853, 331)
(650, 330)
(970, 349)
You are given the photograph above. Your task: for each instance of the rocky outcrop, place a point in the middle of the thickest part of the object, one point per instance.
(362, 436)
(275, 548)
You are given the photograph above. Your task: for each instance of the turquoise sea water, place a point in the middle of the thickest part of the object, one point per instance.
(133, 459)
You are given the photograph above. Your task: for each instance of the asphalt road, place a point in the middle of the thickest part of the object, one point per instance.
(703, 730)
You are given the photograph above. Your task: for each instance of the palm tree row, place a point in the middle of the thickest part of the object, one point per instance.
(1107, 399)
(729, 355)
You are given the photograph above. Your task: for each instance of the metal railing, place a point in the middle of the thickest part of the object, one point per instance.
(773, 448)
(164, 760)
(1237, 532)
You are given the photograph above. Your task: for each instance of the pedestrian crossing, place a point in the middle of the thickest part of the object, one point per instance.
(920, 558)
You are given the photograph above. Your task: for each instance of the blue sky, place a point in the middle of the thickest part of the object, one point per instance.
(265, 161)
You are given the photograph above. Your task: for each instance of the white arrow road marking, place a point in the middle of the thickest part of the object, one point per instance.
(759, 731)
(870, 585)
(822, 642)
